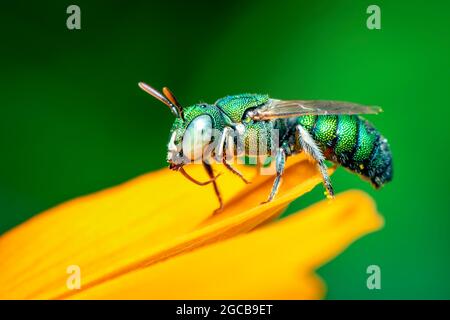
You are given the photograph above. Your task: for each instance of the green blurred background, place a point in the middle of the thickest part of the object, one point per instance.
(73, 120)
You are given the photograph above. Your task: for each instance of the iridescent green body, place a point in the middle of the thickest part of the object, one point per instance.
(353, 142)
(348, 140)
(256, 125)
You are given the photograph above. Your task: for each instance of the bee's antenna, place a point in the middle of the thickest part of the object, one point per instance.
(169, 95)
(155, 93)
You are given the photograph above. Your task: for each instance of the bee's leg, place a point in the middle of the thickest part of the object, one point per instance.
(221, 144)
(312, 149)
(259, 163)
(234, 170)
(280, 161)
(210, 172)
(221, 154)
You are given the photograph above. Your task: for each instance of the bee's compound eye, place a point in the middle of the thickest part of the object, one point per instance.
(197, 135)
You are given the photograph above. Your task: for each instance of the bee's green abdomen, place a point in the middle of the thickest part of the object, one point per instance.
(346, 133)
(307, 122)
(360, 148)
(324, 130)
(379, 168)
(367, 136)
(352, 142)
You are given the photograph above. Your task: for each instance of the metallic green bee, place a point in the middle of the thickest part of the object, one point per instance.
(324, 130)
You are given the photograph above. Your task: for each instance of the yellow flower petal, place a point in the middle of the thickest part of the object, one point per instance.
(273, 262)
(139, 223)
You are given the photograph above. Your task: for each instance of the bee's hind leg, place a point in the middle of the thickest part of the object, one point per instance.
(312, 149)
(280, 161)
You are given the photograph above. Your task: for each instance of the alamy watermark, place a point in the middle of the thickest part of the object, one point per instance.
(73, 21)
(374, 20)
(73, 281)
(210, 145)
(374, 279)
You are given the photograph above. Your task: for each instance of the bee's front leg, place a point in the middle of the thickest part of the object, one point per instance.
(221, 152)
(210, 172)
(280, 161)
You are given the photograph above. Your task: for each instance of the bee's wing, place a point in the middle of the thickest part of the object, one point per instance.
(294, 108)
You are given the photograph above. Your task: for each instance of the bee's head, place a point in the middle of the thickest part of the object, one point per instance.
(191, 132)
(189, 138)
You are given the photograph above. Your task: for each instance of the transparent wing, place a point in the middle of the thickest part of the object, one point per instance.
(294, 108)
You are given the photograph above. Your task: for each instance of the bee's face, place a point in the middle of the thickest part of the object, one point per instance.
(192, 130)
(188, 139)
